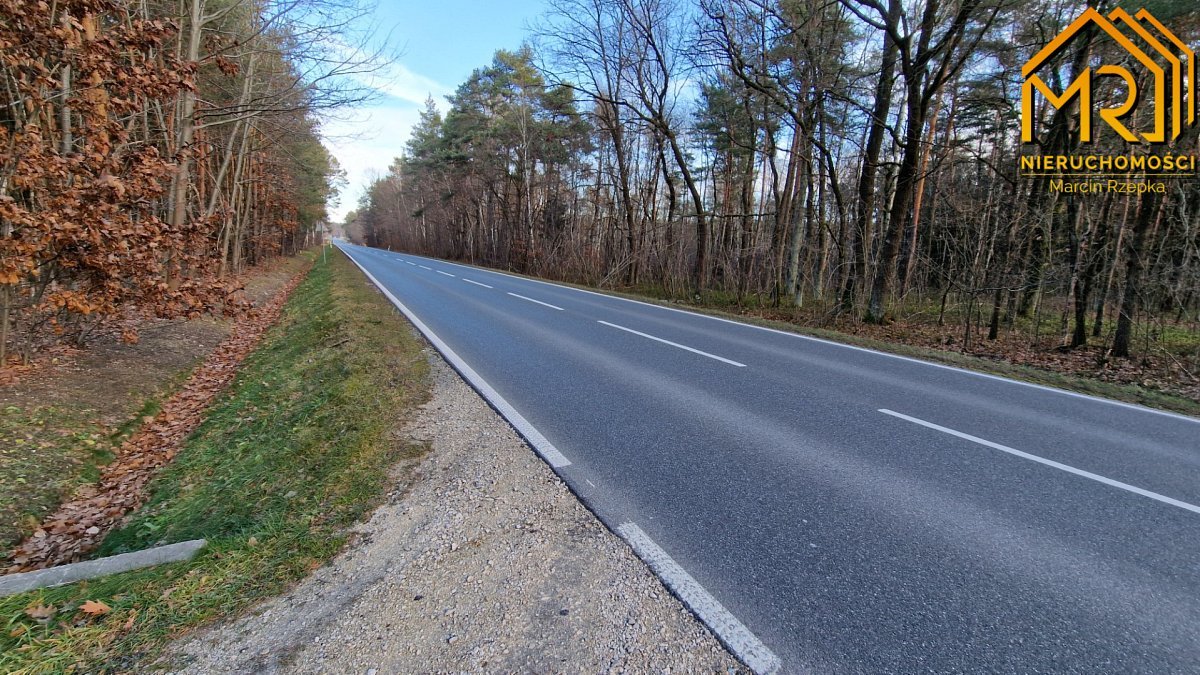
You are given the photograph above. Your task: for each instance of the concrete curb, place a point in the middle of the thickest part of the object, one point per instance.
(12, 584)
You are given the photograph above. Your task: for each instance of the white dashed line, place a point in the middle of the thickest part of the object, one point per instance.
(1048, 462)
(722, 359)
(475, 282)
(832, 343)
(545, 304)
(425, 268)
(446, 273)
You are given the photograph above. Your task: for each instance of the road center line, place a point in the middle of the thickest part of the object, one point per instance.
(1048, 462)
(475, 282)
(740, 640)
(446, 273)
(842, 345)
(674, 344)
(411, 263)
(425, 268)
(537, 301)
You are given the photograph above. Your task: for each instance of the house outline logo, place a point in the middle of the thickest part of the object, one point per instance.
(1180, 81)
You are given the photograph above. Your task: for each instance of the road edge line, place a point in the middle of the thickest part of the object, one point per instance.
(727, 628)
(544, 448)
(732, 633)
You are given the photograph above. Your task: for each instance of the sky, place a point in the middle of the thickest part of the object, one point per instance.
(439, 43)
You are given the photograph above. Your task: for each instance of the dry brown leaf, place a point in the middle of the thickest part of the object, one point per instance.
(41, 613)
(94, 608)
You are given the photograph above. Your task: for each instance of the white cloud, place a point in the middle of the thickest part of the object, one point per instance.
(397, 81)
(366, 142)
(365, 147)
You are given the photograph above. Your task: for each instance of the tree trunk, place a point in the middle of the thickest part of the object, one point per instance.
(1147, 211)
(866, 182)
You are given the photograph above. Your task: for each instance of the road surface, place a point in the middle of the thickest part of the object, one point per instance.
(826, 508)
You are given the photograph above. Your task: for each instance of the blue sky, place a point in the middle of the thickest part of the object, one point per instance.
(439, 42)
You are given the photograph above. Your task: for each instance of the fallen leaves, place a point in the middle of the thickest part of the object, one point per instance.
(80, 524)
(94, 608)
(41, 613)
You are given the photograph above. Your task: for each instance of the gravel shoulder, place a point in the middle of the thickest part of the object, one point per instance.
(485, 562)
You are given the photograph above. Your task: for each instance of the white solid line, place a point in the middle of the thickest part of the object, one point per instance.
(543, 447)
(537, 301)
(674, 344)
(801, 336)
(424, 267)
(1048, 462)
(732, 632)
(475, 282)
(446, 273)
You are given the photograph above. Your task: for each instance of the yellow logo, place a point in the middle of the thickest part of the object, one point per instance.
(1169, 62)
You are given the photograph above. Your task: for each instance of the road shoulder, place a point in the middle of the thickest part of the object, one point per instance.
(486, 562)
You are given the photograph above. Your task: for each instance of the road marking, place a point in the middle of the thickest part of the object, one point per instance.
(1048, 462)
(674, 344)
(541, 446)
(446, 273)
(590, 483)
(810, 338)
(411, 263)
(425, 268)
(733, 633)
(475, 282)
(537, 301)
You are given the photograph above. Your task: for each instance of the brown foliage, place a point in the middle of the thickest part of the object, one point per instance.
(93, 156)
(81, 523)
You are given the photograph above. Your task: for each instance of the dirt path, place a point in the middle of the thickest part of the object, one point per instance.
(488, 563)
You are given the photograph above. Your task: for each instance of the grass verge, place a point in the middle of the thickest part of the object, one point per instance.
(298, 449)
(45, 453)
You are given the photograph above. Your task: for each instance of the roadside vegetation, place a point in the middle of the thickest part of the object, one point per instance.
(851, 166)
(153, 151)
(66, 415)
(46, 453)
(300, 447)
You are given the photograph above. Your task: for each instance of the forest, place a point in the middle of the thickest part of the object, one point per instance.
(154, 150)
(845, 163)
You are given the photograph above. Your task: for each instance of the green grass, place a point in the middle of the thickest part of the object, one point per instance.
(45, 453)
(298, 449)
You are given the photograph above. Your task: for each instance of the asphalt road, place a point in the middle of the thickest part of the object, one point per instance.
(833, 509)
